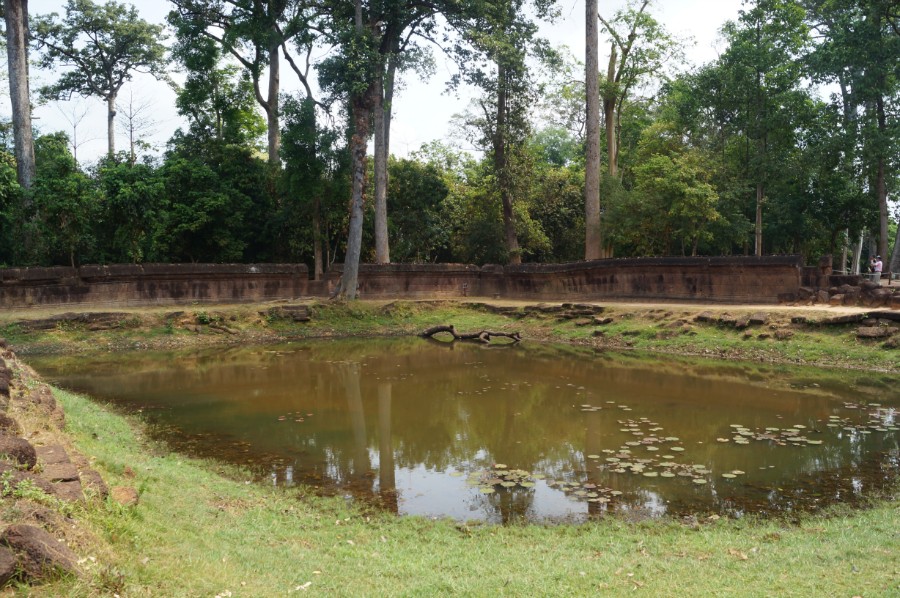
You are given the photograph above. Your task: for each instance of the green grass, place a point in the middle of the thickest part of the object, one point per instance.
(200, 530)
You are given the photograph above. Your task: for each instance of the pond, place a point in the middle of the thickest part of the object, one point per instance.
(514, 433)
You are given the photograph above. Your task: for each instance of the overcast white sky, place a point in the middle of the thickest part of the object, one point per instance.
(422, 111)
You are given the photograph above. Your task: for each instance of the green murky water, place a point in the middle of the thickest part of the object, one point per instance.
(526, 432)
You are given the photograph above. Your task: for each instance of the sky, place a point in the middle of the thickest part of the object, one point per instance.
(422, 110)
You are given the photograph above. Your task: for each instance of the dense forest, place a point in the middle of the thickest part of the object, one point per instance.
(786, 143)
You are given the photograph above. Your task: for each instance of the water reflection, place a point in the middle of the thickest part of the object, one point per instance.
(412, 426)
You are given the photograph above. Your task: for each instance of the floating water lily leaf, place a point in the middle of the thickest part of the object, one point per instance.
(728, 475)
(650, 474)
(737, 472)
(814, 442)
(486, 490)
(699, 481)
(507, 484)
(676, 448)
(667, 474)
(526, 484)
(593, 456)
(539, 476)
(721, 440)
(616, 492)
(652, 448)
(499, 466)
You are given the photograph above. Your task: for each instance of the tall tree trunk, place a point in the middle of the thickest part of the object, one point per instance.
(845, 251)
(501, 168)
(362, 111)
(758, 236)
(880, 182)
(15, 13)
(382, 247)
(317, 239)
(857, 254)
(609, 115)
(272, 116)
(111, 124)
(593, 241)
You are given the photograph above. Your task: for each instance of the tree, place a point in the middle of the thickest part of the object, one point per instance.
(104, 46)
(643, 52)
(761, 74)
(499, 38)
(15, 13)
(132, 205)
(351, 74)
(593, 240)
(216, 98)
(255, 34)
(65, 201)
(858, 45)
(315, 185)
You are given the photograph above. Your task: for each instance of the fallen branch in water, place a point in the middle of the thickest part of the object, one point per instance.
(483, 336)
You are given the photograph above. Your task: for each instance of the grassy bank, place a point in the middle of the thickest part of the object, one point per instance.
(201, 530)
(667, 329)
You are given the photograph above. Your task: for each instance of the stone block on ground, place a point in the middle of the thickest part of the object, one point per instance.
(68, 491)
(60, 472)
(39, 554)
(759, 318)
(18, 449)
(706, 317)
(875, 332)
(822, 296)
(92, 482)
(51, 454)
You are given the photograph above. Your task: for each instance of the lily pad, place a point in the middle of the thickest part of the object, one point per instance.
(728, 475)
(677, 449)
(667, 474)
(486, 490)
(650, 474)
(526, 484)
(699, 481)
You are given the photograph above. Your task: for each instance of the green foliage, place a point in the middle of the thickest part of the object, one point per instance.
(418, 231)
(215, 204)
(65, 203)
(132, 206)
(314, 184)
(217, 99)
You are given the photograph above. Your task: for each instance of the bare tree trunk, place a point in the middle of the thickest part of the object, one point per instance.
(845, 250)
(317, 239)
(501, 168)
(111, 124)
(609, 116)
(382, 248)
(272, 116)
(362, 111)
(592, 236)
(857, 254)
(15, 13)
(758, 235)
